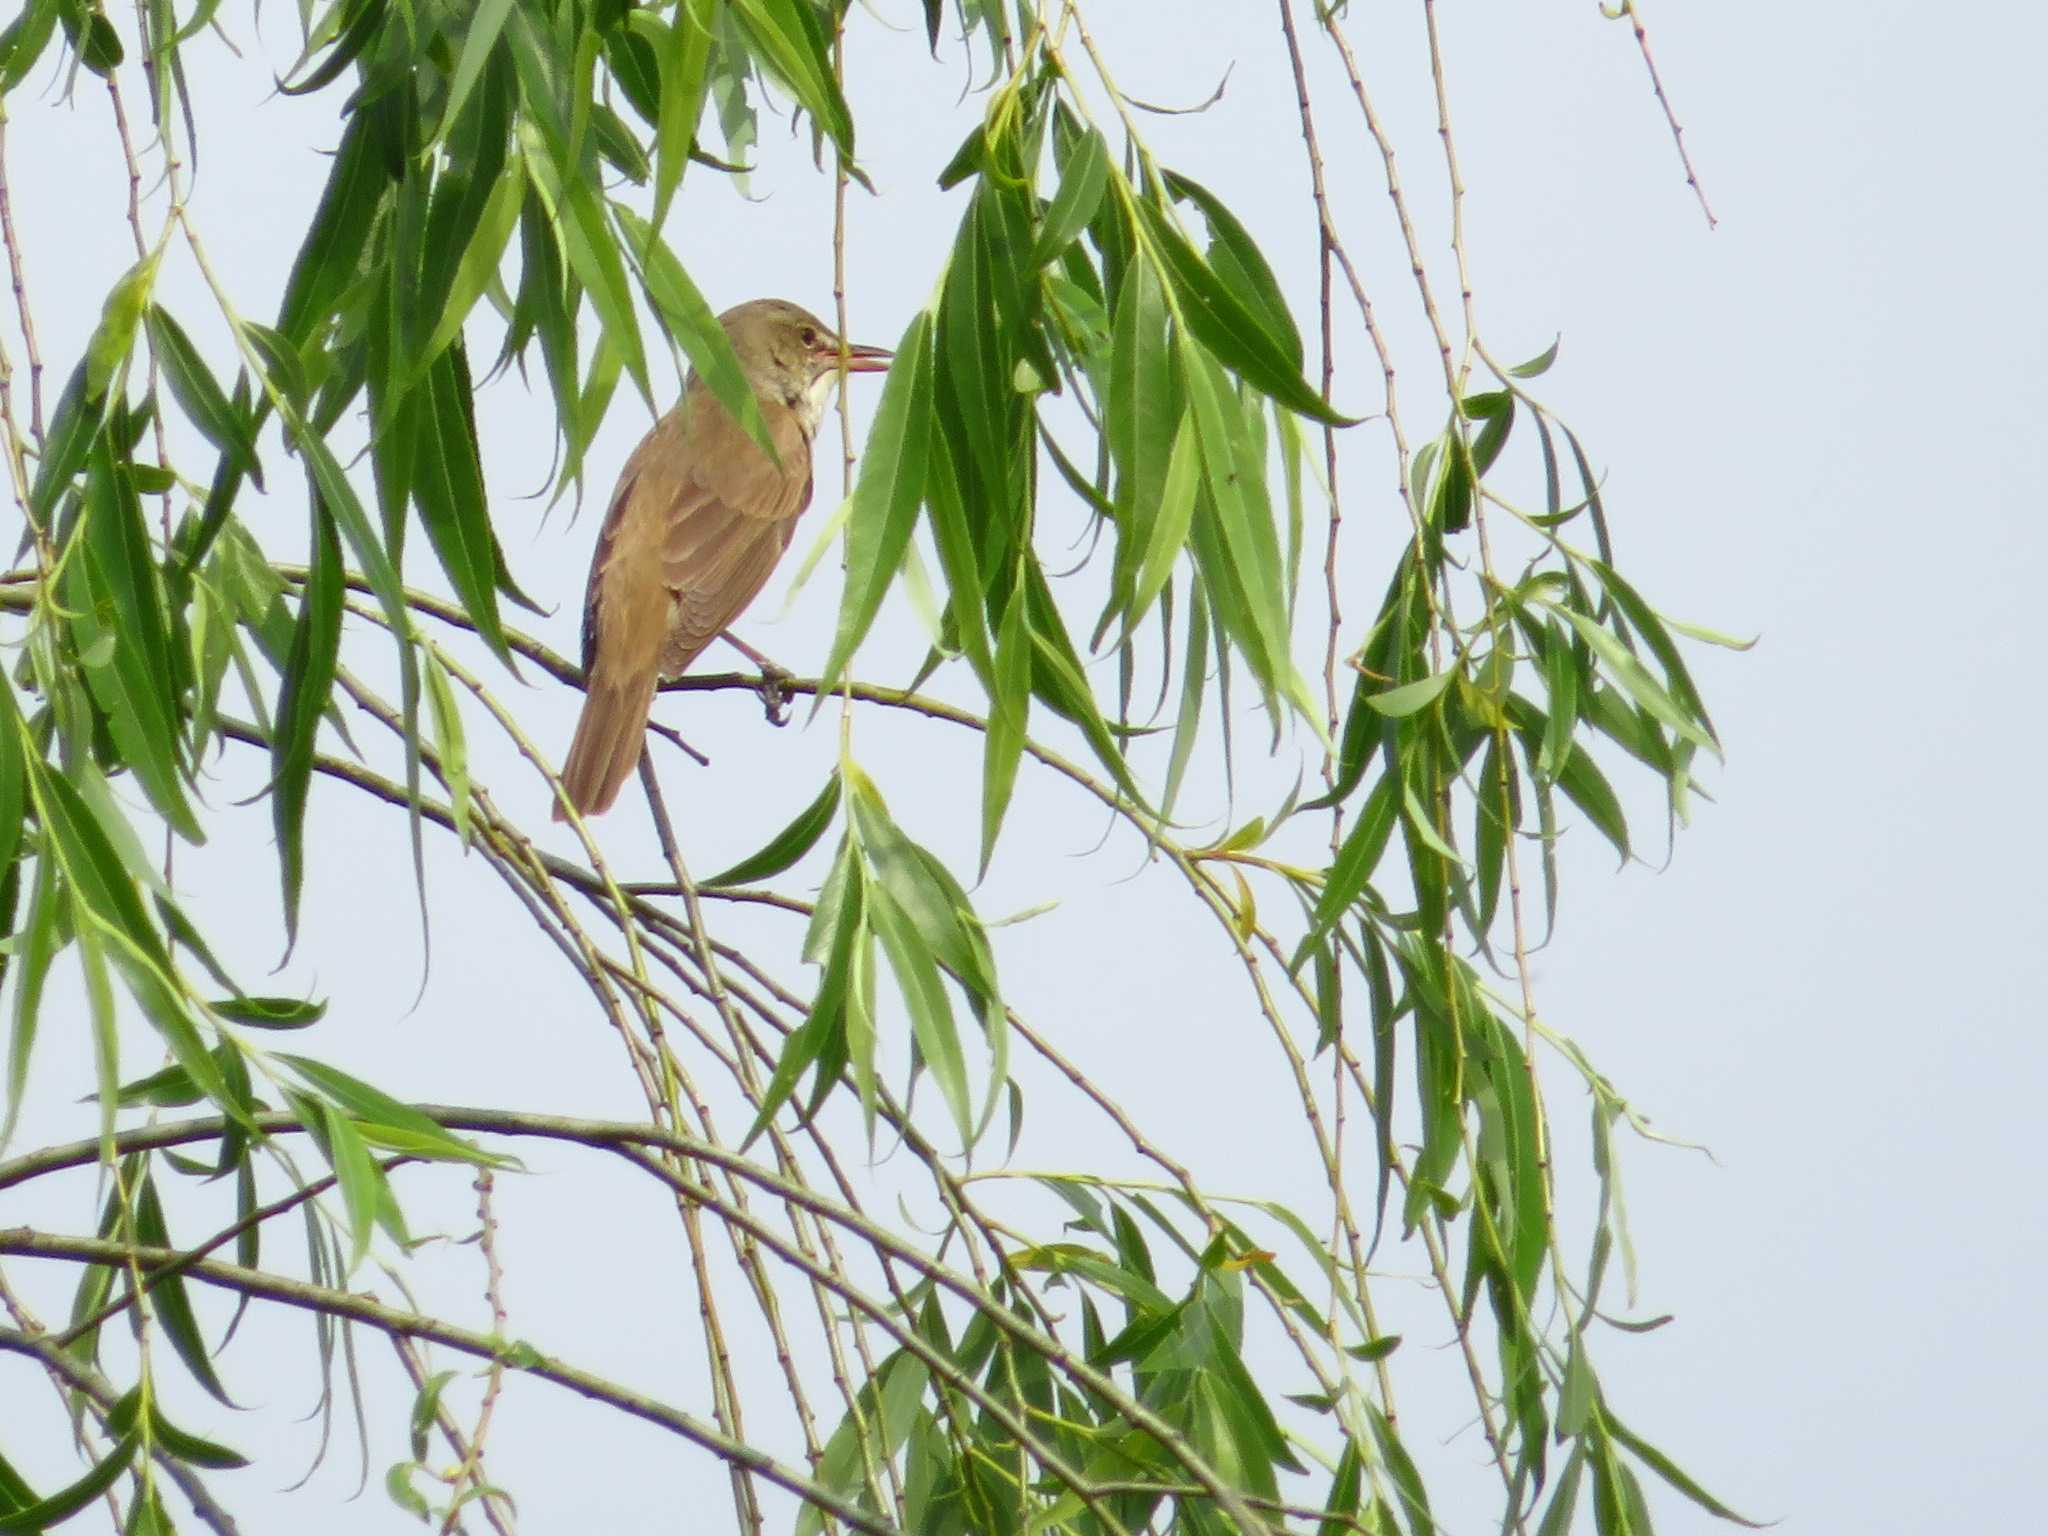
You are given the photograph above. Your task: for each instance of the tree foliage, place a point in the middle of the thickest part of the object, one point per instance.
(1154, 1355)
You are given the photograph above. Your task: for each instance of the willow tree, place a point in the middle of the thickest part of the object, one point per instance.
(1100, 1349)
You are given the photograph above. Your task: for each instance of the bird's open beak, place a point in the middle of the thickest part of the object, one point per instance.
(861, 359)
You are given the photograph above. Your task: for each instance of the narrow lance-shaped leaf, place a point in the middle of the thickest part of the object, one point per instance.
(788, 845)
(118, 622)
(168, 1298)
(486, 24)
(69, 1500)
(448, 489)
(1009, 712)
(120, 318)
(787, 37)
(199, 395)
(1235, 257)
(885, 498)
(1169, 531)
(480, 259)
(694, 326)
(1227, 328)
(1074, 203)
(577, 213)
(685, 54)
(302, 699)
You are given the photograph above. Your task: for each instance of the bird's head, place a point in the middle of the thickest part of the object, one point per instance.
(793, 356)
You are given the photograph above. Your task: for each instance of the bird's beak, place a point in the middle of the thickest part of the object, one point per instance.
(860, 359)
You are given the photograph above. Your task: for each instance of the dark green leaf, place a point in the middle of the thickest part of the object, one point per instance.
(1225, 327)
(1538, 364)
(1073, 204)
(1009, 715)
(66, 1502)
(786, 36)
(74, 428)
(885, 498)
(1236, 258)
(690, 321)
(1672, 1473)
(28, 35)
(270, 1012)
(200, 396)
(448, 488)
(685, 53)
(371, 1104)
(486, 22)
(168, 1299)
(302, 700)
(340, 227)
(788, 845)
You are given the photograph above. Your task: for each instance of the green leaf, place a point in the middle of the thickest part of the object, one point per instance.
(1672, 1473)
(168, 1298)
(1651, 626)
(1225, 327)
(1561, 683)
(1236, 258)
(41, 935)
(480, 260)
(22, 44)
(1633, 676)
(74, 427)
(577, 213)
(355, 1171)
(448, 488)
(1141, 420)
(1168, 534)
(340, 228)
(450, 743)
(1074, 203)
(1540, 363)
(199, 395)
(167, 1436)
(788, 845)
(119, 627)
(349, 25)
(1357, 857)
(838, 935)
(301, 702)
(685, 53)
(690, 321)
(66, 1502)
(486, 24)
(1009, 715)
(931, 1012)
(786, 36)
(885, 498)
(1410, 698)
(372, 1104)
(1414, 1498)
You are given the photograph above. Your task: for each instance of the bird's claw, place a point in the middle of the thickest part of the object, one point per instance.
(774, 691)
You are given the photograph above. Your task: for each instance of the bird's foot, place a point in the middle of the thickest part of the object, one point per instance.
(775, 681)
(775, 694)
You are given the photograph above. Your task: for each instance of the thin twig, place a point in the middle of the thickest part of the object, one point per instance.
(1635, 19)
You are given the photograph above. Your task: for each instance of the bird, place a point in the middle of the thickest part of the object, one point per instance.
(700, 519)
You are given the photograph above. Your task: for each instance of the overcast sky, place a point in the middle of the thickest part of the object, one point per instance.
(1820, 424)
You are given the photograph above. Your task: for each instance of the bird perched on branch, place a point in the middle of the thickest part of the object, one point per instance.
(700, 518)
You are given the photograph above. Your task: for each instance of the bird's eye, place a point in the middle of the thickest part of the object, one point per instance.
(810, 337)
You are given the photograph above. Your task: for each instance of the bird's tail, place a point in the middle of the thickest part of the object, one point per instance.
(608, 739)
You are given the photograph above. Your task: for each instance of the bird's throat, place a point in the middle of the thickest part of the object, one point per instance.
(810, 404)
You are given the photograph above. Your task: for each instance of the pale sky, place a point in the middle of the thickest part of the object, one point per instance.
(1820, 425)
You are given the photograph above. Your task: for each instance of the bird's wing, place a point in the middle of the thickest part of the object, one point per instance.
(729, 526)
(697, 524)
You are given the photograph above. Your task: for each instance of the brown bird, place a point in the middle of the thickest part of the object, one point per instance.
(699, 520)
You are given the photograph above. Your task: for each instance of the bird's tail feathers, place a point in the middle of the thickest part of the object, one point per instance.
(609, 735)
